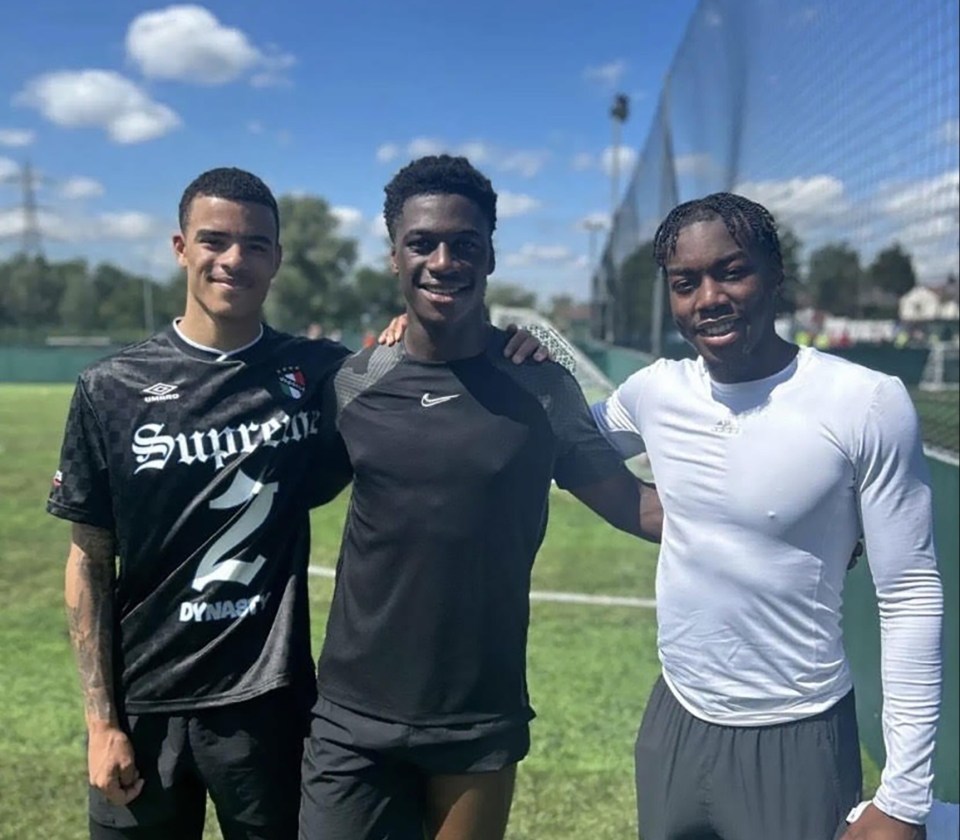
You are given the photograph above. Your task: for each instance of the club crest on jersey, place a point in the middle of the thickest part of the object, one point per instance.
(292, 382)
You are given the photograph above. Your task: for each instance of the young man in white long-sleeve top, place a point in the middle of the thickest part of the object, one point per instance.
(770, 459)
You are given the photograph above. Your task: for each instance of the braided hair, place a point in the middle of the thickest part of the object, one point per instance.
(750, 225)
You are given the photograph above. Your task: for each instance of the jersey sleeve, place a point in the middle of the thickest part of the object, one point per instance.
(584, 456)
(331, 469)
(81, 485)
(617, 421)
(897, 516)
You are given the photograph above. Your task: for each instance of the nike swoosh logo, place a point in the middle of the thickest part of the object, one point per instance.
(426, 400)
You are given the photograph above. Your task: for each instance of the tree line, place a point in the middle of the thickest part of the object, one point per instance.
(319, 283)
(834, 279)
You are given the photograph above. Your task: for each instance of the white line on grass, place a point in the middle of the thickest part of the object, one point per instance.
(556, 597)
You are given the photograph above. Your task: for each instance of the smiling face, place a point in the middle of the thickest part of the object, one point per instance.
(442, 253)
(231, 254)
(723, 300)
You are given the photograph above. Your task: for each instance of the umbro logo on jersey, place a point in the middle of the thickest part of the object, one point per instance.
(161, 392)
(292, 382)
(427, 401)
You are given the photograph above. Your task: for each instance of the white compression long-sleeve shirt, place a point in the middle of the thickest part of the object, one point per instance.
(766, 486)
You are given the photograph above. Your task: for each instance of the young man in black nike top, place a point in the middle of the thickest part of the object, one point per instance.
(423, 710)
(194, 458)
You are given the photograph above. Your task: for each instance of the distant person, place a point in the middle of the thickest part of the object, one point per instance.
(769, 458)
(193, 457)
(423, 711)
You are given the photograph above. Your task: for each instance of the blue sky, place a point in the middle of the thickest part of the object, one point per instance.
(120, 104)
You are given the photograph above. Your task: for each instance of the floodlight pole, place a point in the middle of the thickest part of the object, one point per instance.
(618, 115)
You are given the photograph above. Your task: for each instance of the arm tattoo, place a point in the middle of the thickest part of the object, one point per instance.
(90, 578)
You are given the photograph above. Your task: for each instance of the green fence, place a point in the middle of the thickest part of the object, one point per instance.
(47, 364)
(21, 363)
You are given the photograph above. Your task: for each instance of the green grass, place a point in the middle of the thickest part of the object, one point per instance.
(939, 417)
(591, 668)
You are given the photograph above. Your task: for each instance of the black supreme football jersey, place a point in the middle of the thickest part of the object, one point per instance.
(204, 466)
(453, 464)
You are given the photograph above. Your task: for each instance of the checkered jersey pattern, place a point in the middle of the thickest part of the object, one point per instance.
(204, 466)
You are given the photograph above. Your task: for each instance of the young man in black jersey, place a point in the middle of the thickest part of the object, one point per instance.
(186, 457)
(423, 710)
(194, 457)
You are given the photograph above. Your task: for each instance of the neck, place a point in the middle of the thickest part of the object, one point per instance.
(444, 342)
(218, 333)
(757, 365)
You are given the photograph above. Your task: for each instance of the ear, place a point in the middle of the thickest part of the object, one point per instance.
(393, 260)
(493, 260)
(179, 248)
(279, 261)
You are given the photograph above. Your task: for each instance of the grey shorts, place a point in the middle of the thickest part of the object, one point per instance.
(700, 781)
(365, 778)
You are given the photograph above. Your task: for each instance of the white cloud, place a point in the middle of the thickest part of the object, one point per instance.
(8, 169)
(476, 151)
(926, 220)
(423, 146)
(799, 201)
(696, 165)
(582, 161)
(378, 227)
(387, 152)
(524, 162)
(598, 220)
(273, 69)
(16, 137)
(188, 43)
(923, 216)
(949, 132)
(130, 224)
(515, 204)
(713, 19)
(348, 218)
(80, 187)
(532, 254)
(608, 74)
(98, 99)
(924, 198)
(627, 157)
(13, 222)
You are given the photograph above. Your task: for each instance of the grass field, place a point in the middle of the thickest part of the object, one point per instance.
(591, 668)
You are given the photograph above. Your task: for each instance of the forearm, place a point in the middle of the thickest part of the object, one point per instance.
(88, 592)
(651, 512)
(625, 502)
(911, 614)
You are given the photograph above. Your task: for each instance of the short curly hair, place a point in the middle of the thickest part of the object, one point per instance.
(438, 175)
(751, 226)
(232, 184)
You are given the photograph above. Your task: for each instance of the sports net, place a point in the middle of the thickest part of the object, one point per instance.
(842, 119)
(592, 380)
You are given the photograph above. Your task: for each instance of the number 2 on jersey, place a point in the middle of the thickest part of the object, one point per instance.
(216, 564)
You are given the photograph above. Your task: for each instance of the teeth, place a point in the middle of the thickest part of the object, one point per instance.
(718, 329)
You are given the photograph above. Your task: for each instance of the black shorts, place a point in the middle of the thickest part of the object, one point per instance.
(792, 781)
(245, 755)
(365, 778)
